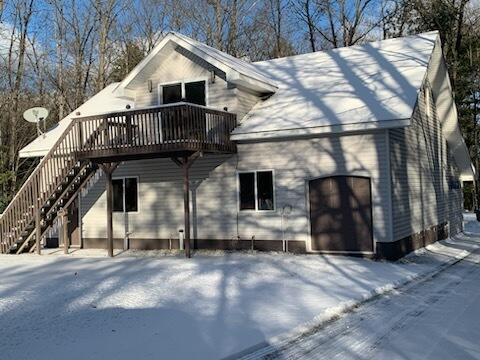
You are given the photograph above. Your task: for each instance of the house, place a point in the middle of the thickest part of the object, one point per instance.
(352, 151)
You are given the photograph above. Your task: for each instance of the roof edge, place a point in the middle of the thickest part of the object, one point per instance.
(320, 130)
(233, 75)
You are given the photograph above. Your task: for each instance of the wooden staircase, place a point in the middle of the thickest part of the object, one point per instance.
(174, 130)
(53, 185)
(60, 198)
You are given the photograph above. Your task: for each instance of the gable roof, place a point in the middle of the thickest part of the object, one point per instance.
(237, 71)
(359, 87)
(364, 87)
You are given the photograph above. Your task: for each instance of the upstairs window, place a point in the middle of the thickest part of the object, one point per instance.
(193, 92)
(125, 195)
(171, 93)
(256, 191)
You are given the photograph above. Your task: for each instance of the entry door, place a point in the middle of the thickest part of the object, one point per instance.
(341, 214)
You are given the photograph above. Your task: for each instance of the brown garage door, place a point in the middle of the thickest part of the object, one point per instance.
(341, 214)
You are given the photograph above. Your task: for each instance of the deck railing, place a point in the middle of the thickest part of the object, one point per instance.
(167, 128)
(178, 127)
(43, 181)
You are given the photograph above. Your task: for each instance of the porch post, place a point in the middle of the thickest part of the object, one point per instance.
(38, 225)
(64, 216)
(185, 164)
(108, 170)
(38, 231)
(186, 205)
(109, 214)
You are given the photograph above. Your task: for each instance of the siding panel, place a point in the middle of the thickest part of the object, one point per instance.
(214, 190)
(422, 170)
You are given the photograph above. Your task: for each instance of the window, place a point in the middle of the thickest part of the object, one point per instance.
(125, 195)
(256, 190)
(117, 194)
(193, 92)
(171, 93)
(247, 191)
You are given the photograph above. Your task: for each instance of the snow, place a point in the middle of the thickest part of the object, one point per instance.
(365, 84)
(435, 317)
(87, 306)
(244, 67)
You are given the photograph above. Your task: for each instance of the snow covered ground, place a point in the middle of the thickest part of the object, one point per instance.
(434, 318)
(92, 307)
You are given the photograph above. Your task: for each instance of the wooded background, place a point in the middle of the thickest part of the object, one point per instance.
(58, 53)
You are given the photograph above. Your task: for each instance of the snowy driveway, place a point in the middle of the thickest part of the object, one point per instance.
(436, 318)
(208, 307)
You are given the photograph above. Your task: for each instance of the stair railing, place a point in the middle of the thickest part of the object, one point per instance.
(173, 127)
(39, 186)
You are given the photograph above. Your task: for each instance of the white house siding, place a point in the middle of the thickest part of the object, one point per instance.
(455, 198)
(214, 195)
(422, 166)
(421, 169)
(160, 194)
(173, 67)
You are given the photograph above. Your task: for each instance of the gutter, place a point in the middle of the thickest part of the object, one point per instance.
(237, 135)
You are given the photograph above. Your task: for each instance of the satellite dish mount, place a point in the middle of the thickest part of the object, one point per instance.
(36, 115)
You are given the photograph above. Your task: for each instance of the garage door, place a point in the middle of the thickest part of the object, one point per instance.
(341, 214)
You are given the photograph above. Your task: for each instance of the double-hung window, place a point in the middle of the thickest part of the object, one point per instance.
(256, 190)
(125, 195)
(192, 92)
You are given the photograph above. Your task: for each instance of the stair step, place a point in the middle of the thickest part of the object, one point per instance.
(56, 199)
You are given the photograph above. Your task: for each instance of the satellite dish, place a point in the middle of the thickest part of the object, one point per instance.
(35, 115)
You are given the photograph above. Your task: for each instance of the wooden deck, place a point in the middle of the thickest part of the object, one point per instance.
(180, 131)
(164, 131)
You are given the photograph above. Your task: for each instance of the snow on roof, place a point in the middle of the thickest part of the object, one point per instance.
(239, 65)
(100, 103)
(365, 86)
(237, 71)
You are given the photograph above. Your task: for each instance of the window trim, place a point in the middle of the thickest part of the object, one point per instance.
(182, 83)
(138, 193)
(256, 210)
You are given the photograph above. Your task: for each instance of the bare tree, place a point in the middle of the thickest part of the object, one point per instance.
(307, 12)
(346, 22)
(22, 15)
(106, 12)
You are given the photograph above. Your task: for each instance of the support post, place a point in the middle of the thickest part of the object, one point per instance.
(38, 231)
(186, 205)
(108, 170)
(185, 164)
(66, 241)
(109, 214)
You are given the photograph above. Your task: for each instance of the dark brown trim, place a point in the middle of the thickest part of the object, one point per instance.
(294, 246)
(399, 248)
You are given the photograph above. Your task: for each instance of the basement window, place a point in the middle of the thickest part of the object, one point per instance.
(125, 195)
(256, 191)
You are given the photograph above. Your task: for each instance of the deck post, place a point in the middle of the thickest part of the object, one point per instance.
(185, 164)
(108, 169)
(38, 231)
(109, 213)
(186, 205)
(64, 216)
